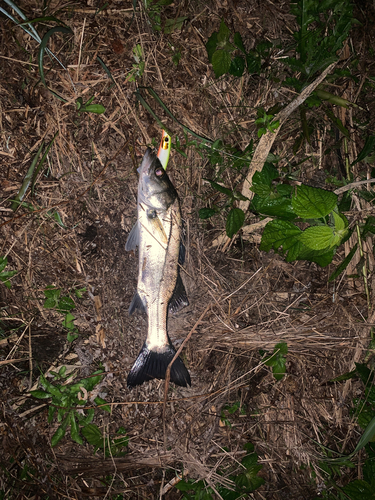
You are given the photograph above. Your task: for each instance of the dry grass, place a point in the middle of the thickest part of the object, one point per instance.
(255, 300)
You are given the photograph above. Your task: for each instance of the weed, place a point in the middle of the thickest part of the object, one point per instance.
(5, 275)
(229, 410)
(63, 305)
(138, 66)
(68, 401)
(244, 482)
(277, 360)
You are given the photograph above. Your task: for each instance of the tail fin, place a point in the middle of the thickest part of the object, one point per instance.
(153, 364)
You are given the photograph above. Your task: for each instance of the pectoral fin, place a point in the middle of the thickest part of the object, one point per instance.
(179, 297)
(137, 303)
(133, 239)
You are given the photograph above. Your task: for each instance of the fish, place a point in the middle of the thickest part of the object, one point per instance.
(161, 251)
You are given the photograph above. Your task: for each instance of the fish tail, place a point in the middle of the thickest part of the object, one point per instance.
(153, 364)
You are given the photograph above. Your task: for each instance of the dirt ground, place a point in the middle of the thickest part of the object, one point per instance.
(242, 300)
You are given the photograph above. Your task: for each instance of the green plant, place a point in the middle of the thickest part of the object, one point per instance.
(276, 360)
(227, 53)
(245, 482)
(229, 410)
(139, 65)
(364, 413)
(265, 122)
(5, 275)
(315, 207)
(63, 305)
(68, 401)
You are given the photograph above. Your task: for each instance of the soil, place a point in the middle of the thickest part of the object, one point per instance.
(71, 230)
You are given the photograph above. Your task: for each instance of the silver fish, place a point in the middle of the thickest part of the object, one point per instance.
(157, 234)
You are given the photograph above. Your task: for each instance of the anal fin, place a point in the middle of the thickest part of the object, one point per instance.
(179, 298)
(137, 303)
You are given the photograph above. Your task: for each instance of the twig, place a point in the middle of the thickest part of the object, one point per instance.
(268, 139)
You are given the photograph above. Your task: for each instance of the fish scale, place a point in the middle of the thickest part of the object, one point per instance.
(157, 234)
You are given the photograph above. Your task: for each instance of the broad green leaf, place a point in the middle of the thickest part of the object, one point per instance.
(319, 237)
(223, 33)
(282, 347)
(85, 420)
(52, 292)
(341, 222)
(274, 206)
(206, 213)
(100, 401)
(221, 61)
(359, 490)
(282, 234)
(50, 303)
(235, 220)
(40, 394)
(279, 368)
(313, 203)
(93, 435)
(321, 257)
(237, 66)
(284, 189)
(74, 429)
(211, 45)
(66, 304)
(69, 321)
(71, 336)
(262, 181)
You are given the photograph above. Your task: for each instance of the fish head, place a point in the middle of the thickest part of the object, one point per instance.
(155, 188)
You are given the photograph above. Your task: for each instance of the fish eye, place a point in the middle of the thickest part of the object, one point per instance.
(159, 172)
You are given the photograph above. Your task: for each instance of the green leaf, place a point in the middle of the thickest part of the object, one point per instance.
(237, 39)
(100, 401)
(253, 63)
(40, 394)
(43, 46)
(98, 109)
(68, 321)
(367, 149)
(274, 206)
(235, 220)
(223, 34)
(359, 490)
(206, 213)
(79, 292)
(220, 188)
(74, 429)
(279, 368)
(221, 61)
(313, 203)
(172, 25)
(60, 433)
(319, 237)
(52, 292)
(93, 435)
(49, 303)
(366, 437)
(279, 233)
(66, 304)
(51, 413)
(237, 66)
(71, 336)
(344, 264)
(211, 45)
